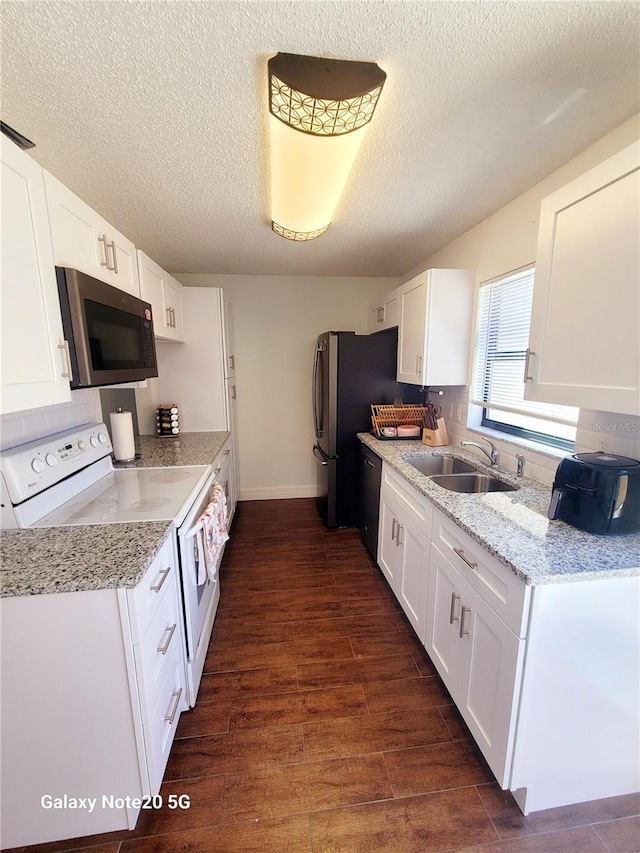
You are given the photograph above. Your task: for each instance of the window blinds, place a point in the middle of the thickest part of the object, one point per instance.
(502, 338)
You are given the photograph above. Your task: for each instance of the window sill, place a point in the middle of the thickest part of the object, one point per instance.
(523, 443)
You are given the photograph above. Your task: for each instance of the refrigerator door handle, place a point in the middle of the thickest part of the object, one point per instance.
(316, 418)
(317, 452)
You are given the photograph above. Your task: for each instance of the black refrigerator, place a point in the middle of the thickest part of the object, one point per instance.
(350, 373)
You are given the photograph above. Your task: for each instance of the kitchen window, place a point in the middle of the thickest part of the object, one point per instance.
(502, 338)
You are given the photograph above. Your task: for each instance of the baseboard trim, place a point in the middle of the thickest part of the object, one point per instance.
(270, 493)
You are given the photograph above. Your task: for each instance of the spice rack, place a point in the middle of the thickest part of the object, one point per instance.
(167, 420)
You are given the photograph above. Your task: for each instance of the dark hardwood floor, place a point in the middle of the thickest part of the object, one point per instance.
(322, 727)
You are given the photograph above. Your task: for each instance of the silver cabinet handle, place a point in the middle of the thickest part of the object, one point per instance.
(233, 392)
(218, 469)
(103, 239)
(227, 451)
(393, 528)
(460, 553)
(167, 311)
(164, 574)
(452, 617)
(172, 714)
(526, 376)
(171, 630)
(232, 362)
(66, 373)
(112, 246)
(173, 315)
(463, 613)
(398, 540)
(418, 364)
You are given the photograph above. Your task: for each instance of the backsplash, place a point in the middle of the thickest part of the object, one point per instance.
(23, 427)
(606, 431)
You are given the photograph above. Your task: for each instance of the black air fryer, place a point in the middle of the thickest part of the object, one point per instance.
(598, 492)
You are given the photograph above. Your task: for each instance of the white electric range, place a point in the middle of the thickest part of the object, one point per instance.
(69, 479)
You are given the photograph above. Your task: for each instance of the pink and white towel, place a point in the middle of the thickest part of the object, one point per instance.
(213, 534)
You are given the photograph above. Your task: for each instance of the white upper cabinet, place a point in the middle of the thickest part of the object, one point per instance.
(434, 320)
(35, 367)
(584, 343)
(164, 294)
(85, 241)
(384, 315)
(228, 342)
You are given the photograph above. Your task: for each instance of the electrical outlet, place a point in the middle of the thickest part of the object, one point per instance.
(604, 445)
(458, 412)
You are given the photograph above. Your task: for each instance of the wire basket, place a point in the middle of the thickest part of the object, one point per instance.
(393, 416)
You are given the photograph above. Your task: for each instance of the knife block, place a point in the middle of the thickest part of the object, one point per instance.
(436, 437)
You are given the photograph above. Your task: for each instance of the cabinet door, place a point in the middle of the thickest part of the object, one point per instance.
(491, 658)
(84, 241)
(228, 341)
(389, 556)
(172, 303)
(411, 329)
(151, 290)
(585, 326)
(33, 350)
(443, 619)
(385, 315)
(414, 574)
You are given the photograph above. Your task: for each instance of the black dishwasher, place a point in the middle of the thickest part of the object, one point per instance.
(369, 504)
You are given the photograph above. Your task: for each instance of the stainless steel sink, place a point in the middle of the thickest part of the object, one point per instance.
(471, 483)
(430, 465)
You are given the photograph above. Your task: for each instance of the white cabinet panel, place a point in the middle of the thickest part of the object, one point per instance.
(585, 327)
(34, 358)
(164, 294)
(83, 240)
(434, 328)
(385, 315)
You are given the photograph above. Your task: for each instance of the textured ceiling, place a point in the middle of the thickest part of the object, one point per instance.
(155, 113)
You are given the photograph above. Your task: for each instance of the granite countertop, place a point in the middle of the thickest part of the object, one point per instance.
(187, 448)
(99, 556)
(71, 559)
(513, 526)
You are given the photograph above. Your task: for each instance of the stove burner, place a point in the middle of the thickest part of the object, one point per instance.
(170, 476)
(96, 508)
(148, 504)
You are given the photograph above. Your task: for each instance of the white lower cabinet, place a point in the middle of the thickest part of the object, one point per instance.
(479, 659)
(90, 704)
(403, 546)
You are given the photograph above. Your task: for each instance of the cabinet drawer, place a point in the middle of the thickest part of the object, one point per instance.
(160, 650)
(504, 591)
(145, 599)
(418, 508)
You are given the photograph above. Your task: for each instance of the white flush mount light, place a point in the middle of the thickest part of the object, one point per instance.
(319, 111)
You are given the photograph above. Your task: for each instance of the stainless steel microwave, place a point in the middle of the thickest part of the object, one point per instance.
(109, 332)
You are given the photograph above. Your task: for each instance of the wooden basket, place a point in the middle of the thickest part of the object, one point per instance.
(393, 416)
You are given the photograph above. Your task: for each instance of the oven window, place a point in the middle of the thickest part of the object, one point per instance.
(115, 337)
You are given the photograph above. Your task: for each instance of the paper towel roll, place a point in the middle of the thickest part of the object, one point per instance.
(122, 435)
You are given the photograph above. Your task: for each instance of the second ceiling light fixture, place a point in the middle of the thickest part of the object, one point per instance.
(319, 110)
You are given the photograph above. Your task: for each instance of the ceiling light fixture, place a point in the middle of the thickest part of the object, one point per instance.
(319, 111)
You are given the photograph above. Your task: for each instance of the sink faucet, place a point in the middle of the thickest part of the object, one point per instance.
(492, 455)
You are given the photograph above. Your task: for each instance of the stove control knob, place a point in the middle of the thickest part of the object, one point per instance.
(93, 441)
(51, 459)
(102, 438)
(81, 445)
(37, 465)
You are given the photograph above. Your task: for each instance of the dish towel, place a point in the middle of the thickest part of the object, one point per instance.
(211, 537)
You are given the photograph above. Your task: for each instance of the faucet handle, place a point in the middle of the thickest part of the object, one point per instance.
(520, 468)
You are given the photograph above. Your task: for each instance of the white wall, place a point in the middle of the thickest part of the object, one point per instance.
(506, 241)
(276, 322)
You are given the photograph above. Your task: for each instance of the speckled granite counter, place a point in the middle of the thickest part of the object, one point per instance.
(188, 448)
(100, 556)
(70, 559)
(513, 526)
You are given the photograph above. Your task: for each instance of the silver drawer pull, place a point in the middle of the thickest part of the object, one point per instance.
(66, 374)
(164, 574)
(452, 617)
(393, 529)
(103, 239)
(172, 715)
(398, 540)
(163, 649)
(112, 245)
(460, 553)
(463, 613)
(526, 376)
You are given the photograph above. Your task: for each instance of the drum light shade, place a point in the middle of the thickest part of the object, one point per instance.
(319, 112)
